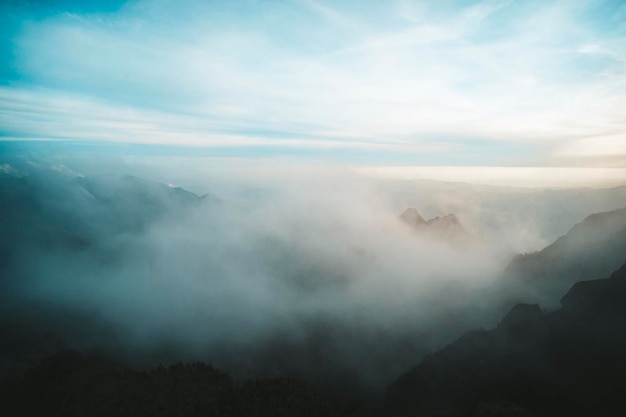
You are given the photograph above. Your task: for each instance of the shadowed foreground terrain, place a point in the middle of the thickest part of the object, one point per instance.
(570, 362)
(69, 384)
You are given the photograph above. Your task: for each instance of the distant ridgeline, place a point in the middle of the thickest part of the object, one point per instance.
(447, 227)
(61, 210)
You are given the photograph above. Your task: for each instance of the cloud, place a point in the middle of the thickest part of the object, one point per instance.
(519, 73)
(295, 265)
(278, 266)
(598, 146)
(541, 177)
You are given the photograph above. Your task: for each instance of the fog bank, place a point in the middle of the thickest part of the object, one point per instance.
(310, 272)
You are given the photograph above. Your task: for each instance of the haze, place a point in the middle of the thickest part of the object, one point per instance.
(325, 190)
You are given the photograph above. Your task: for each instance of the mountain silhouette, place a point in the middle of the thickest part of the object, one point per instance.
(591, 249)
(446, 227)
(570, 362)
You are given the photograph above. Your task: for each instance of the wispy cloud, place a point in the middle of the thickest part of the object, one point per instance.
(316, 75)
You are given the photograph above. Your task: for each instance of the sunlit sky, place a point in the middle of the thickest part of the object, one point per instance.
(372, 83)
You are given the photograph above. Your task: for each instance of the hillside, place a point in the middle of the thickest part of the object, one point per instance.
(569, 362)
(591, 249)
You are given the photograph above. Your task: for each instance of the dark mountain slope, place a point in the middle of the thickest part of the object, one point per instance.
(568, 363)
(591, 249)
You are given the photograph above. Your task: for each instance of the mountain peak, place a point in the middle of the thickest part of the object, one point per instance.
(412, 217)
(447, 226)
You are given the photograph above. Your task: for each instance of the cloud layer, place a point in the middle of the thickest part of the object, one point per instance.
(485, 83)
(305, 271)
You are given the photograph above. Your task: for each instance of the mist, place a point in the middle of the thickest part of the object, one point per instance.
(312, 208)
(303, 271)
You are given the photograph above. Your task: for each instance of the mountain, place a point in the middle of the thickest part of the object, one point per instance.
(543, 214)
(412, 217)
(591, 249)
(570, 362)
(135, 202)
(49, 215)
(447, 227)
(67, 207)
(112, 187)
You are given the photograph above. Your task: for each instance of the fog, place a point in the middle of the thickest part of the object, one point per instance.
(305, 271)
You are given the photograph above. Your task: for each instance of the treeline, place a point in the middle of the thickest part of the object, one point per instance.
(69, 384)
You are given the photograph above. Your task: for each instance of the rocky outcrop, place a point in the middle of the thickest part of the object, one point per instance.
(447, 227)
(412, 217)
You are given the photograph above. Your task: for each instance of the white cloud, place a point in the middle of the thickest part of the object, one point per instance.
(541, 177)
(195, 73)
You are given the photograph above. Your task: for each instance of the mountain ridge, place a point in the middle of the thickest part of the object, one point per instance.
(591, 249)
(447, 227)
(533, 363)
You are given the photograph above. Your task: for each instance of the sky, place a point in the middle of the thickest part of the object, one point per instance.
(392, 84)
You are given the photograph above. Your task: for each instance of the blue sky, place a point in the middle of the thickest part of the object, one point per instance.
(488, 83)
